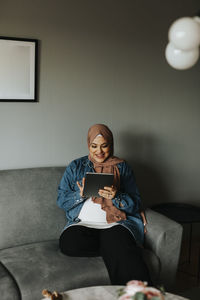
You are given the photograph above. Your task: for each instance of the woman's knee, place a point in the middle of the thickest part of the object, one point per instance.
(117, 237)
(75, 242)
(68, 242)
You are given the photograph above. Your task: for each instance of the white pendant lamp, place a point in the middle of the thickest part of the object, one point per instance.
(182, 51)
(184, 33)
(181, 59)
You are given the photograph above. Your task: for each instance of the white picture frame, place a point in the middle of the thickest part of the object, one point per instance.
(18, 69)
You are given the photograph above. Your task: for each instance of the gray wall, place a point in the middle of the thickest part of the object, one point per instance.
(103, 61)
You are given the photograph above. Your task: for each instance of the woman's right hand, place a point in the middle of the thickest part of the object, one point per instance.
(81, 187)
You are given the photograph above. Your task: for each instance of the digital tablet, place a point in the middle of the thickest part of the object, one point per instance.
(96, 181)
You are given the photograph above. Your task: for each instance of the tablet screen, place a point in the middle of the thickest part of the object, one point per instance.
(96, 181)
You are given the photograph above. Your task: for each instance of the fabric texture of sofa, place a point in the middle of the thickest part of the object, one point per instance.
(30, 226)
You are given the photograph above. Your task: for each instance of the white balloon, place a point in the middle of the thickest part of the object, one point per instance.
(184, 33)
(180, 59)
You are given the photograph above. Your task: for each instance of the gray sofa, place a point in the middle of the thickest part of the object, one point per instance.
(30, 225)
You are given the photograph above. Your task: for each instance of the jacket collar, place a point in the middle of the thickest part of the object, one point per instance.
(87, 162)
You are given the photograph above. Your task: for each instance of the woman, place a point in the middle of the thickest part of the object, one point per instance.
(109, 225)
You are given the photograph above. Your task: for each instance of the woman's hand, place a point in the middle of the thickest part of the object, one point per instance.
(108, 192)
(81, 187)
(144, 220)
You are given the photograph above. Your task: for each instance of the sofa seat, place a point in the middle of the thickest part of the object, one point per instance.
(33, 267)
(41, 265)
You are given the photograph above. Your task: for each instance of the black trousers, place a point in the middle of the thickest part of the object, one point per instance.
(117, 247)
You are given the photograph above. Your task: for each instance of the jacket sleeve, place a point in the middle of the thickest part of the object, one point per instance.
(68, 191)
(127, 198)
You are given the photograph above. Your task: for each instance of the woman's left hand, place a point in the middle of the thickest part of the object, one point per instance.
(144, 221)
(108, 192)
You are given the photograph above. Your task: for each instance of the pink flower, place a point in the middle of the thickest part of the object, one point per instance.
(135, 286)
(152, 292)
(137, 283)
(125, 297)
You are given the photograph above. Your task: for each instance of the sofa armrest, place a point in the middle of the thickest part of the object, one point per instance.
(164, 238)
(9, 289)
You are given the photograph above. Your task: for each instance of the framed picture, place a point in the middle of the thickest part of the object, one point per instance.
(18, 69)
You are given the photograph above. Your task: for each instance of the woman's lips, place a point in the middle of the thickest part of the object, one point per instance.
(100, 155)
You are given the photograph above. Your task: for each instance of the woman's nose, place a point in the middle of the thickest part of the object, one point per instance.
(99, 150)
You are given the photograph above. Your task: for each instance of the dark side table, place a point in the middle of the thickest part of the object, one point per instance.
(181, 213)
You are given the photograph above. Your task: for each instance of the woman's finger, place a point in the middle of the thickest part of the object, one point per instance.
(78, 184)
(108, 188)
(103, 192)
(83, 183)
(81, 187)
(100, 193)
(106, 192)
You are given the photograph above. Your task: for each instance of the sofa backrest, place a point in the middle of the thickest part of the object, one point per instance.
(28, 210)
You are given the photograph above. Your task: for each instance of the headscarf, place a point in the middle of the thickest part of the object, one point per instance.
(109, 166)
(102, 130)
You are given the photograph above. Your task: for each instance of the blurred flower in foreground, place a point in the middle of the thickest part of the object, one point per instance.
(138, 290)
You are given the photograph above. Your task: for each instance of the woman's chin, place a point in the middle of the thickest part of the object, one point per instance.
(99, 160)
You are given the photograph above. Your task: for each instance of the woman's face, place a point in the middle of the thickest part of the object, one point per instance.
(100, 149)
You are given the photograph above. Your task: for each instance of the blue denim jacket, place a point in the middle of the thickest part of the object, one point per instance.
(127, 198)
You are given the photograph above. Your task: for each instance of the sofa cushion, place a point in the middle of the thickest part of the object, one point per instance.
(28, 209)
(42, 265)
